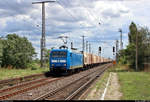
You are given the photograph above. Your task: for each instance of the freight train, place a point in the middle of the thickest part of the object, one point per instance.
(65, 60)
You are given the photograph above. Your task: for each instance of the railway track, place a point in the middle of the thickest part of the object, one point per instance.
(14, 81)
(56, 88)
(72, 90)
(21, 88)
(78, 92)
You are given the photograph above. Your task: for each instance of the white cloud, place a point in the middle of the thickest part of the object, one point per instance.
(73, 18)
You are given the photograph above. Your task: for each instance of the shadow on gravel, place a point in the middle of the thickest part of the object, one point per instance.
(48, 74)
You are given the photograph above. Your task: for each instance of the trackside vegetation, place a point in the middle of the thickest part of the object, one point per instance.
(34, 68)
(128, 55)
(18, 57)
(1, 53)
(17, 51)
(134, 85)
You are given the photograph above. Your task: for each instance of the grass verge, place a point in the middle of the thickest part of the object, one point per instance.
(6, 73)
(134, 85)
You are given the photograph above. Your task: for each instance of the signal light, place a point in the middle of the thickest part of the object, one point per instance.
(113, 49)
(100, 49)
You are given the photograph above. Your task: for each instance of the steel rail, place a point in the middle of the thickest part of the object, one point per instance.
(19, 79)
(22, 85)
(70, 97)
(50, 94)
(26, 89)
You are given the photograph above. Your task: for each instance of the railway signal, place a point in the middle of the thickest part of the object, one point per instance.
(113, 50)
(100, 52)
(99, 49)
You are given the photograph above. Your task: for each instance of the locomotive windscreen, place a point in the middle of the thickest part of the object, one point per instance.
(59, 54)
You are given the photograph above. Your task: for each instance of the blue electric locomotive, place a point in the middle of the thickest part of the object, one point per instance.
(64, 60)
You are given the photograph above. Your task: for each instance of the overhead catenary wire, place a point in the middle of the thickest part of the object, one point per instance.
(73, 17)
(60, 3)
(66, 10)
(89, 12)
(93, 16)
(98, 26)
(69, 13)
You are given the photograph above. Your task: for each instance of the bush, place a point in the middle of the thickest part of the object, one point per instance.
(17, 51)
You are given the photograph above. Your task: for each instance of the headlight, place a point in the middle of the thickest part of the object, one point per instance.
(63, 61)
(64, 64)
(52, 64)
(54, 61)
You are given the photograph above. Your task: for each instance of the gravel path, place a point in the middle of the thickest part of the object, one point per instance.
(113, 92)
(113, 89)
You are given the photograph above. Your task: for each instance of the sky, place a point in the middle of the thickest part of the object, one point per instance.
(74, 18)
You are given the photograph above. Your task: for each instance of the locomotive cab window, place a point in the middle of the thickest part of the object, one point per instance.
(63, 54)
(59, 54)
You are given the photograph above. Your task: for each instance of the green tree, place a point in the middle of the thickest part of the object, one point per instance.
(127, 56)
(132, 33)
(1, 51)
(131, 48)
(17, 51)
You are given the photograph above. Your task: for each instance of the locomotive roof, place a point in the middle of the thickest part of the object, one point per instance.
(59, 50)
(74, 51)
